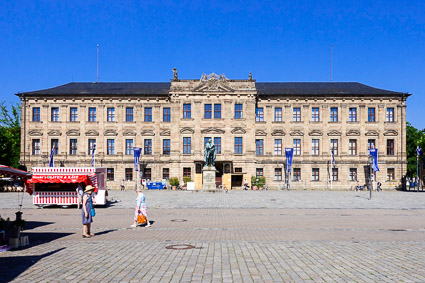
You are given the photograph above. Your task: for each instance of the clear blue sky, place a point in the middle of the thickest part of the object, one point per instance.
(379, 43)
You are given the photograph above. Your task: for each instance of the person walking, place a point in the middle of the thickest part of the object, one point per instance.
(378, 186)
(122, 185)
(80, 192)
(86, 212)
(140, 208)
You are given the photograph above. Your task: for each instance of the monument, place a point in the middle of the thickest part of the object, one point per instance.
(208, 172)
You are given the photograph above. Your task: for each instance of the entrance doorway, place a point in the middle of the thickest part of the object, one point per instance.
(218, 173)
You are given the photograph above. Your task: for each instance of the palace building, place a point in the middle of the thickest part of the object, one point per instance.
(250, 123)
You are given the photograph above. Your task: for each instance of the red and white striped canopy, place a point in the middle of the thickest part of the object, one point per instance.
(13, 173)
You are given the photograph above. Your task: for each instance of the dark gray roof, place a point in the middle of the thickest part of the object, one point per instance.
(264, 89)
(344, 89)
(105, 89)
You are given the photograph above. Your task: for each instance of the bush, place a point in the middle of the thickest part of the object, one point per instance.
(174, 181)
(186, 179)
(260, 183)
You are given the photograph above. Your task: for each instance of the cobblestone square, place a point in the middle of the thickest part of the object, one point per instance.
(240, 236)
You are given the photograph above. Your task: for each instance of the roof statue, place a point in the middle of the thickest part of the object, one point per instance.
(175, 75)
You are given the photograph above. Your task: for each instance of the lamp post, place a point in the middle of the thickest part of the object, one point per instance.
(370, 160)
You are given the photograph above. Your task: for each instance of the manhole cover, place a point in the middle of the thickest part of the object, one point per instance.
(398, 230)
(180, 247)
(178, 220)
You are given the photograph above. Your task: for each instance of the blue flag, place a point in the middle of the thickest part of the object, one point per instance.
(333, 158)
(374, 153)
(419, 151)
(137, 152)
(289, 152)
(52, 153)
(93, 152)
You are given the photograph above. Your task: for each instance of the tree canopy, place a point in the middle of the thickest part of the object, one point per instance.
(10, 134)
(414, 138)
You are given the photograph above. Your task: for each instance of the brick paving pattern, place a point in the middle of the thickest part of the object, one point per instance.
(271, 236)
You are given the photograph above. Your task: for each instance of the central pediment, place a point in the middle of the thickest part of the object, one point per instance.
(213, 82)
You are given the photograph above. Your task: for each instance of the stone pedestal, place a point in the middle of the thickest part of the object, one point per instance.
(208, 178)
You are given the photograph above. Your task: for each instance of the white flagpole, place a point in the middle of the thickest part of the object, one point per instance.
(331, 168)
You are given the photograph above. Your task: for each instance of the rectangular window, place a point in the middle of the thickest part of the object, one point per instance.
(278, 114)
(92, 114)
(110, 147)
(390, 174)
(297, 174)
(187, 172)
(238, 111)
(55, 114)
(129, 114)
(238, 145)
(166, 173)
(187, 111)
(147, 173)
(259, 147)
(315, 174)
(36, 147)
(296, 144)
(353, 174)
(315, 117)
(55, 145)
(110, 175)
(217, 143)
(277, 147)
(110, 114)
(187, 145)
(296, 117)
(238, 169)
(148, 114)
(370, 143)
(334, 174)
(148, 147)
(352, 114)
(259, 172)
(217, 111)
(390, 147)
(371, 114)
(129, 174)
(91, 145)
(129, 147)
(314, 147)
(278, 174)
(207, 111)
(259, 114)
(334, 146)
(334, 114)
(73, 147)
(166, 114)
(352, 147)
(36, 114)
(390, 115)
(73, 114)
(166, 146)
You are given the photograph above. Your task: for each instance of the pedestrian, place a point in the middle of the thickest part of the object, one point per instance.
(378, 186)
(87, 211)
(80, 192)
(122, 185)
(357, 187)
(140, 208)
(245, 184)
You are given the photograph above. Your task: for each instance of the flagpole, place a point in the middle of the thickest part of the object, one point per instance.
(331, 167)
(417, 168)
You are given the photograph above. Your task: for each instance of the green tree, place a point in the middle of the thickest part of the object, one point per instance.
(414, 137)
(10, 134)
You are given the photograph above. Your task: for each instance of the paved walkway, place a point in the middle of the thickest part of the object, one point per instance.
(267, 236)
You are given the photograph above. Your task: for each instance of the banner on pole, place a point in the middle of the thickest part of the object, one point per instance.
(137, 152)
(374, 153)
(333, 158)
(419, 151)
(52, 153)
(289, 152)
(93, 152)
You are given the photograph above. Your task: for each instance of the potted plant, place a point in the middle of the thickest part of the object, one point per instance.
(174, 182)
(261, 182)
(254, 183)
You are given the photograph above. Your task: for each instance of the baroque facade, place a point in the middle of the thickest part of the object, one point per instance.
(250, 123)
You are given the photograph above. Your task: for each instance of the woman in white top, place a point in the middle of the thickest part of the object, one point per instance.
(140, 208)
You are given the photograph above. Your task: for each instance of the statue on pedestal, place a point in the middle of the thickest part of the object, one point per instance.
(209, 154)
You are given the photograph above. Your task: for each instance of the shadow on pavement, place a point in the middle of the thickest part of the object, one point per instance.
(34, 224)
(12, 267)
(105, 232)
(38, 238)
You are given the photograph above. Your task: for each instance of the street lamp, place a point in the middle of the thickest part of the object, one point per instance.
(370, 161)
